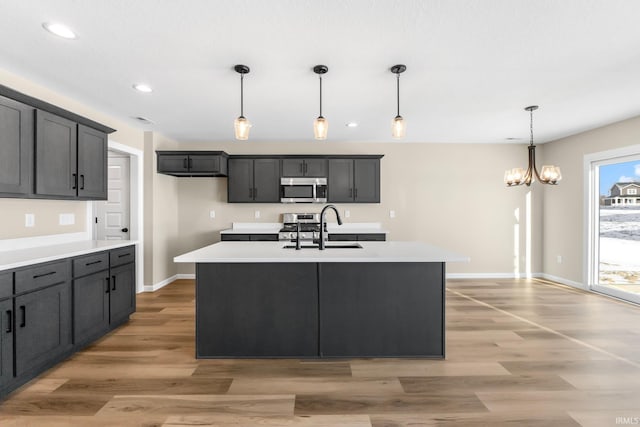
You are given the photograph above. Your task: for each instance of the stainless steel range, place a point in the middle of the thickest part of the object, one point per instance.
(309, 224)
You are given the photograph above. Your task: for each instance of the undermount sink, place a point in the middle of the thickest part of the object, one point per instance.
(328, 246)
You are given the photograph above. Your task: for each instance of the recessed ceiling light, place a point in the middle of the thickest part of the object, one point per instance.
(59, 30)
(142, 87)
(352, 125)
(513, 139)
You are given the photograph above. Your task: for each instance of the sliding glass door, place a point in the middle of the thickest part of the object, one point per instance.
(614, 222)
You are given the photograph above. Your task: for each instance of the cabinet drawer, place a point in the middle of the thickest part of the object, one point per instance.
(90, 264)
(42, 275)
(6, 285)
(122, 256)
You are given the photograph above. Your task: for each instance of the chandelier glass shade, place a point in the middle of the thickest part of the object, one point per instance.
(550, 174)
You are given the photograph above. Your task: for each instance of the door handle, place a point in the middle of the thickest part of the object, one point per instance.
(82, 181)
(23, 310)
(74, 181)
(9, 321)
(113, 283)
(124, 230)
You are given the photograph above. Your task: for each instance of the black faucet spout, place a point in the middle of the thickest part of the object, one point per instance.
(323, 223)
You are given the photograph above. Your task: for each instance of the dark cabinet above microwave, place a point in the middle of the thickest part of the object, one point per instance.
(192, 163)
(310, 167)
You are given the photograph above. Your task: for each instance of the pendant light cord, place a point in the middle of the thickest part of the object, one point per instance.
(320, 76)
(398, 93)
(241, 95)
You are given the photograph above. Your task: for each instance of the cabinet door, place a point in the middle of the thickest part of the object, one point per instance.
(56, 155)
(92, 163)
(203, 164)
(122, 292)
(16, 147)
(340, 182)
(367, 181)
(173, 163)
(315, 167)
(240, 183)
(266, 180)
(90, 306)
(292, 167)
(43, 326)
(6, 341)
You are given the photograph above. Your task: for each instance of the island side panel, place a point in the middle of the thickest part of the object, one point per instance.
(382, 309)
(256, 310)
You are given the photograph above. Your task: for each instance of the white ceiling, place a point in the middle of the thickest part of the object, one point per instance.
(472, 66)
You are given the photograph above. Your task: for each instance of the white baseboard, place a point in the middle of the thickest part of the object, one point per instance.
(563, 281)
(33, 242)
(492, 275)
(165, 282)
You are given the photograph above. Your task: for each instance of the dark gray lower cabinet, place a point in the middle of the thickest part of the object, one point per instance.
(385, 309)
(43, 326)
(6, 342)
(256, 310)
(122, 293)
(90, 306)
(320, 310)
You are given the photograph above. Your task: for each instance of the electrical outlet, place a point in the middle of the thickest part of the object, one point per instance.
(559, 259)
(347, 213)
(212, 214)
(29, 220)
(257, 214)
(67, 219)
(392, 214)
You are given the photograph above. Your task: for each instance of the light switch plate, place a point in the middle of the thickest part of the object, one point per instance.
(212, 214)
(29, 220)
(392, 214)
(347, 213)
(257, 215)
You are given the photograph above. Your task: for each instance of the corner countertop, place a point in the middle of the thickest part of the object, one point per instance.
(332, 228)
(273, 252)
(25, 257)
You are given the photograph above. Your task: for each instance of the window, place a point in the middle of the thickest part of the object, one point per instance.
(632, 191)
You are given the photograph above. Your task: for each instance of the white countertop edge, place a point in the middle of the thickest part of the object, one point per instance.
(37, 255)
(273, 252)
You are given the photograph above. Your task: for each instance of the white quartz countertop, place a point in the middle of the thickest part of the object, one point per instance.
(332, 228)
(36, 255)
(252, 252)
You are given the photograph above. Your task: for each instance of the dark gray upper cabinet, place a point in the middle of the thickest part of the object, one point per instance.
(192, 163)
(254, 180)
(16, 147)
(304, 167)
(354, 180)
(56, 155)
(92, 163)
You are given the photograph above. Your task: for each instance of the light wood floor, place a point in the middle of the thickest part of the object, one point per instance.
(518, 353)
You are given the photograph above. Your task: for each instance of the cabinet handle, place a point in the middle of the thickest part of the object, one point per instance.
(23, 310)
(255, 193)
(82, 181)
(113, 283)
(305, 168)
(301, 167)
(93, 263)
(37, 276)
(355, 193)
(9, 322)
(351, 193)
(108, 286)
(124, 255)
(74, 181)
(184, 163)
(190, 162)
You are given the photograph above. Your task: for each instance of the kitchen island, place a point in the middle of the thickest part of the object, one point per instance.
(380, 299)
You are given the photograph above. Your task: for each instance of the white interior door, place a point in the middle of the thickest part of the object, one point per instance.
(112, 216)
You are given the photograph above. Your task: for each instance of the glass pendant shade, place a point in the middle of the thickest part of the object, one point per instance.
(242, 127)
(550, 174)
(320, 128)
(398, 127)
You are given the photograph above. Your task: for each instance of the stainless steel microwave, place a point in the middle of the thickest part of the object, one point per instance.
(303, 190)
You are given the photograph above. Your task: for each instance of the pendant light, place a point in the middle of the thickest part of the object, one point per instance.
(241, 124)
(518, 176)
(398, 125)
(320, 124)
